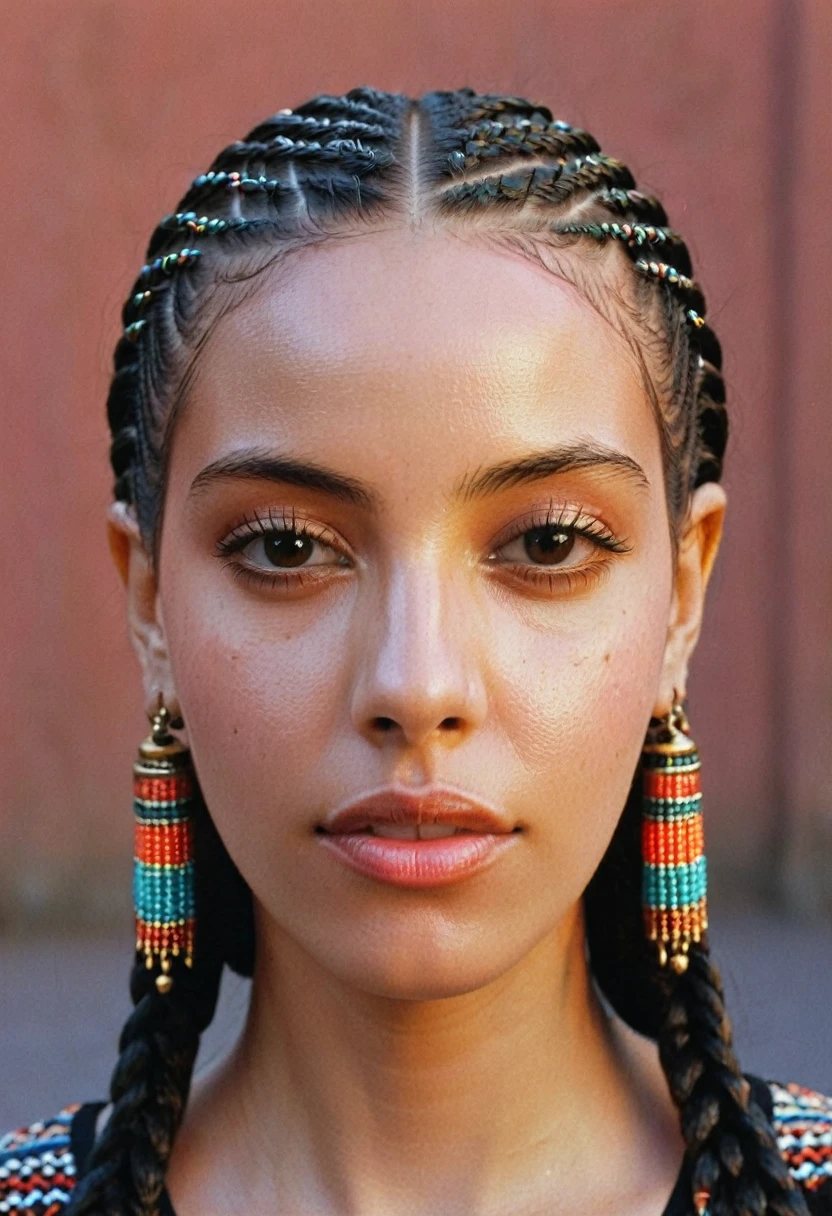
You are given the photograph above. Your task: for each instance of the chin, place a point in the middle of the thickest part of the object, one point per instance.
(430, 982)
(422, 966)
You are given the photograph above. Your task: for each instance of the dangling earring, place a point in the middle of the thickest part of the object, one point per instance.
(674, 870)
(163, 877)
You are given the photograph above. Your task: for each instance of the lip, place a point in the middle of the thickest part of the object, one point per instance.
(484, 836)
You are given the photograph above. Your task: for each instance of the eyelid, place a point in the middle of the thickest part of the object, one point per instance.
(570, 516)
(284, 519)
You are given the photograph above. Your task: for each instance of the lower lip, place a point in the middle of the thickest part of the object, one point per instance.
(418, 863)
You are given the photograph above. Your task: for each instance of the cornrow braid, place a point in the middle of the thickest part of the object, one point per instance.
(486, 105)
(154, 276)
(311, 127)
(632, 203)
(648, 227)
(634, 236)
(215, 180)
(336, 109)
(356, 154)
(552, 183)
(490, 138)
(333, 165)
(189, 221)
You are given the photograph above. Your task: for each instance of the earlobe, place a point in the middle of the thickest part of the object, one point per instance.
(698, 547)
(147, 633)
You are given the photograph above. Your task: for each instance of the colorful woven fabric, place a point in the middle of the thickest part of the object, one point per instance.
(803, 1120)
(37, 1167)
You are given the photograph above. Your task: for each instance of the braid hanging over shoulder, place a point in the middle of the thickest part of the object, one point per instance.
(339, 165)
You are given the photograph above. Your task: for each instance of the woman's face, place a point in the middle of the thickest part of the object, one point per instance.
(505, 635)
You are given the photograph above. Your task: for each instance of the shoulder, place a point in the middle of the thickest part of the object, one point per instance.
(38, 1162)
(802, 1121)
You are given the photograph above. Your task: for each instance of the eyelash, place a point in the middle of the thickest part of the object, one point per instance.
(567, 519)
(250, 528)
(572, 520)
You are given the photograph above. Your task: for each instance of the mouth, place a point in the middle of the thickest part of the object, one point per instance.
(405, 839)
(415, 831)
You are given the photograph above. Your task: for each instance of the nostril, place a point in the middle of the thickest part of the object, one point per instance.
(387, 724)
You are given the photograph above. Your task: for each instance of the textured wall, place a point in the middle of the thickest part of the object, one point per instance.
(109, 107)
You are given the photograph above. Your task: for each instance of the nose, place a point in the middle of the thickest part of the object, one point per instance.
(419, 677)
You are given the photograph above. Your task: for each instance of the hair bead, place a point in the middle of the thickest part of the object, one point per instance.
(152, 276)
(665, 273)
(633, 235)
(155, 272)
(201, 224)
(133, 330)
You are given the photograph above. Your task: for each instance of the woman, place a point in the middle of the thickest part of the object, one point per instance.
(417, 434)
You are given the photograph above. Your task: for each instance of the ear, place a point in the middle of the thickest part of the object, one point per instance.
(698, 546)
(147, 632)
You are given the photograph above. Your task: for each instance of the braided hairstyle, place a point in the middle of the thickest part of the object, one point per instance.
(339, 165)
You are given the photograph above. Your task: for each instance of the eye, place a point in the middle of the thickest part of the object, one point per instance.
(287, 549)
(282, 550)
(559, 548)
(549, 545)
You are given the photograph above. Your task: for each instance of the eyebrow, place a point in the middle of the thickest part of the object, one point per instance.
(255, 464)
(566, 459)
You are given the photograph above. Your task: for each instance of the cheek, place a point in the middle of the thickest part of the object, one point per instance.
(574, 703)
(261, 689)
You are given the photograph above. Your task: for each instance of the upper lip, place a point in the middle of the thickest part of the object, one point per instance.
(397, 805)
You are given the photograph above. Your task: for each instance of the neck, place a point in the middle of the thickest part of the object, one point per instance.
(341, 1101)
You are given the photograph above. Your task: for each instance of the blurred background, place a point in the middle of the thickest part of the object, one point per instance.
(108, 109)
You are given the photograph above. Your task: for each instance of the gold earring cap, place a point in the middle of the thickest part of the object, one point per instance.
(161, 748)
(668, 736)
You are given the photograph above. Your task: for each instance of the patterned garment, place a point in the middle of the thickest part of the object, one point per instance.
(37, 1166)
(38, 1163)
(803, 1122)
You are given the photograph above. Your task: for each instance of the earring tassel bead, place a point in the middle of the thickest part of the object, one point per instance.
(163, 868)
(674, 868)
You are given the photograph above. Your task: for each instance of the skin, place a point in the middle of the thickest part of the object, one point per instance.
(435, 1050)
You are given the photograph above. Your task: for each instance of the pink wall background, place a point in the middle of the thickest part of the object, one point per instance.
(108, 109)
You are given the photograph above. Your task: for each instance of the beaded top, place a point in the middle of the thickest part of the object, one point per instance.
(37, 1166)
(38, 1163)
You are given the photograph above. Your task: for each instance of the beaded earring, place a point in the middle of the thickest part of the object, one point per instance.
(674, 870)
(163, 876)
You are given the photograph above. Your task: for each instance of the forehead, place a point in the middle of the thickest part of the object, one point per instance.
(394, 334)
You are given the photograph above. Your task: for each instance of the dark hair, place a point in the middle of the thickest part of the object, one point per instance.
(337, 165)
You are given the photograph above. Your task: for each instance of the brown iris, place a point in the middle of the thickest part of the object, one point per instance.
(548, 545)
(287, 548)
